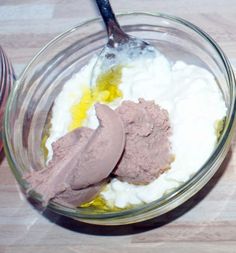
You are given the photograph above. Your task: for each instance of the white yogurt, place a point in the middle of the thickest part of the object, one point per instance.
(193, 100)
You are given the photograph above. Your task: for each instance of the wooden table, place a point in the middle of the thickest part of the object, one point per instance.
(206, 223)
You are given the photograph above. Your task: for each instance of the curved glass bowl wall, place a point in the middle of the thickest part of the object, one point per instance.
(33, 96)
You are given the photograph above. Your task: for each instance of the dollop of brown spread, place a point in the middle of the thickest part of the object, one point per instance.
(131, 143)
(147, 150)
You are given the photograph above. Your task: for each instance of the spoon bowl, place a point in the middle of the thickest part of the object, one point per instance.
(121, 48)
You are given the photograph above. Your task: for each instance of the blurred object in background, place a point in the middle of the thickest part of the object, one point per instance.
(6, 81)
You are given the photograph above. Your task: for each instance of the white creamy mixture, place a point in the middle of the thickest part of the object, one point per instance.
(193, 100)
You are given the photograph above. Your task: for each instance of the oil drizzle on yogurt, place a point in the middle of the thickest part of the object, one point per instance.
(106, 91)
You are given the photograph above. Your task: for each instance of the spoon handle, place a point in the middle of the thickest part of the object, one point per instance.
(113, 28)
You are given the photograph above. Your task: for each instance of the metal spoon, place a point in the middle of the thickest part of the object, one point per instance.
(121, 48)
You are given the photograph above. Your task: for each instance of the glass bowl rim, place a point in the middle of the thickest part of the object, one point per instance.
(164, 201)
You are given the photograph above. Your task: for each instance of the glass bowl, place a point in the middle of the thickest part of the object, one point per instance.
(31, 100)
(6, 82)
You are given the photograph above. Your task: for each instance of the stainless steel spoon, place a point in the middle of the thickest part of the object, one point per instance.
(120, 48)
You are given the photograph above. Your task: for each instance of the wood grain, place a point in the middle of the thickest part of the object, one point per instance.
(205, 223)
